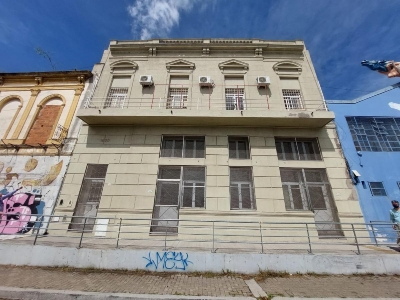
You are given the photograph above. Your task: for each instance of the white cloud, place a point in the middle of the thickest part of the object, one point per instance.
(394, 105)
(157, 17)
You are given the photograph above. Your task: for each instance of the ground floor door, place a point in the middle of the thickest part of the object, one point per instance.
(166, 208)
(325, 214)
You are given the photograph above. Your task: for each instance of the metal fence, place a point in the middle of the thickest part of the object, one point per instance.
(206, 235)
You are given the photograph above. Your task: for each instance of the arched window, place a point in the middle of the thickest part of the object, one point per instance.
(45, 121)
(9, 109)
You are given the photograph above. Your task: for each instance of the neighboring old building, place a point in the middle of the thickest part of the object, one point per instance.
(203, 129)
(38, 132)
(369, 131)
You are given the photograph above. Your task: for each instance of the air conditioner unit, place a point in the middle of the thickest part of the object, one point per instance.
(205, 81)
(263, 81)
(146, 80)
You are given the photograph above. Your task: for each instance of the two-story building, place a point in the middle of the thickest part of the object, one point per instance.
(38, 131)
(207, 129)
(369, 132)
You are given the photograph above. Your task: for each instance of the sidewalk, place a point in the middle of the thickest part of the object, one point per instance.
(196, 284)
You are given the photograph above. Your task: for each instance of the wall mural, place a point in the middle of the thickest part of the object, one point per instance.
(40, 178)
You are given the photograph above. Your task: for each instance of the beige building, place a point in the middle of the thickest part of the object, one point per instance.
(209, 129)
(38, 131)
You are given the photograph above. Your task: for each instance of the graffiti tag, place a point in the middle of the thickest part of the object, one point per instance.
(168, 260)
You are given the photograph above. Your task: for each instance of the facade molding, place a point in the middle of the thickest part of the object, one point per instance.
(4, 103)
(233, 63)
(48, 98)
(24, 117)
(123, 66)
(181, 64)
(7, 99)
(287, 68)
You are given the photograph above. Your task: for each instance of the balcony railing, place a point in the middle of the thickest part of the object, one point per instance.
(205, 104)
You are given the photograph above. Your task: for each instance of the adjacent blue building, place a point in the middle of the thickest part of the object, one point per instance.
(369, 131)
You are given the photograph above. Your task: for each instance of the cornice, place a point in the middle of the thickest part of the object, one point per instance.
(42, 88)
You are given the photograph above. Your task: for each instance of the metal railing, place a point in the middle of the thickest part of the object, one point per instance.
(210, 235)
(201, 104)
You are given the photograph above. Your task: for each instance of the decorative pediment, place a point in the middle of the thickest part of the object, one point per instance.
(123, 66)
(233, 63)
(287, 68)
(180, 64)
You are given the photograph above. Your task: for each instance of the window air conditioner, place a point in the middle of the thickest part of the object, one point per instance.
(146, 80)
(263, 81)
(205, 81)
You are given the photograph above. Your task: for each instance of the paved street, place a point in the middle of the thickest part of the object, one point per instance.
(192, 284)
(334, 286)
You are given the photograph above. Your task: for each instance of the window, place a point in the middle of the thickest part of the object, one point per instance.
(375, 134)
(292, 99)
(89, 197)
(297, 149)
(118, 92)
(234, 93)
(181, 186)
(241, 188)
(234, 99)
(291, 93)
(177, 98)
(239, 147)
(178, 92)
(377, 189)
(305, 189)
(183, 146)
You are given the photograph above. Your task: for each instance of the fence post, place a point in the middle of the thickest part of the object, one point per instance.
(262, 244)
(37, 231)
(119, 231)
(213, 245)
(355, 237)
(373, 232)
(309, 240)
(165, 240)
(83, 231)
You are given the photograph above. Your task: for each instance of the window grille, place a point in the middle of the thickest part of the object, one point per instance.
(297, 149)
(292, 99)
(239, 147)
(183, 146)
(375, 134)
(116, 97)
(377, 189)
(302, 188)
(177, 98)
(241, 188)
(89, 197)
(234, 99)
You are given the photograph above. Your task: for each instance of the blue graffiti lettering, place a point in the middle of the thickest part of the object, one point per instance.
(168, 260)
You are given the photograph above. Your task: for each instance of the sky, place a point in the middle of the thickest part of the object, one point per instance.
(339, 34)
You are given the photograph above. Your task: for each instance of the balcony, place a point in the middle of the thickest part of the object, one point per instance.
(232, 111)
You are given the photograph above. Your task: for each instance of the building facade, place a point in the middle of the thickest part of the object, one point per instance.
(200, 130)
(369, 131)
(38, 131)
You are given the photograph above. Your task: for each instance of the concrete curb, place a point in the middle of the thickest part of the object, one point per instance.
(40, 294)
